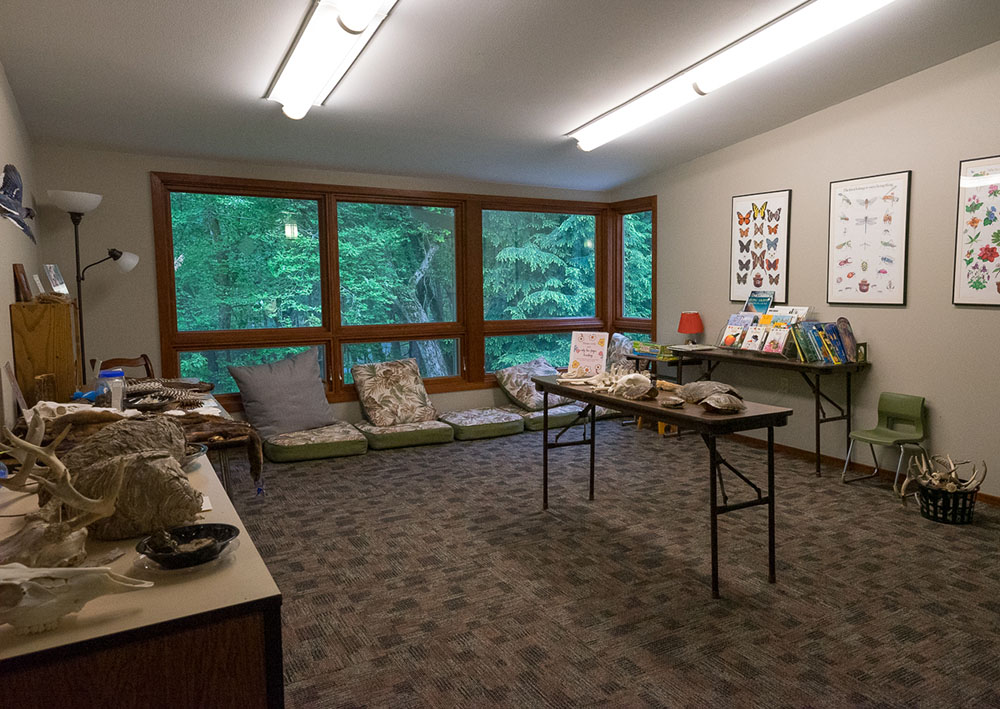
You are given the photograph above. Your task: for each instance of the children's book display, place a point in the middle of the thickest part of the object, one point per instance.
(786, 331)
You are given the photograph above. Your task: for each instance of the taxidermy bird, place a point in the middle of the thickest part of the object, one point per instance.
(11, 193)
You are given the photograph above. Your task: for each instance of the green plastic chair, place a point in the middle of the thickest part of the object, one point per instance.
(900, 423)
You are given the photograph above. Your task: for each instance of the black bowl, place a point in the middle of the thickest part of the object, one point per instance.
(220, 534)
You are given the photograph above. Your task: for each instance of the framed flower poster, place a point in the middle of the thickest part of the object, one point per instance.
(866, 251)
(977, 235)
(758, 256)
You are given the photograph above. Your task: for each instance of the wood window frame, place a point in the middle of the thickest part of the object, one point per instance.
(469, 327)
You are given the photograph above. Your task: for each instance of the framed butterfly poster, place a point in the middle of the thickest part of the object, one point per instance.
(977, 235)
(759, 248)
(866, 251)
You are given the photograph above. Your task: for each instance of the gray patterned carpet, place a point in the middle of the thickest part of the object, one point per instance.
(431, 577)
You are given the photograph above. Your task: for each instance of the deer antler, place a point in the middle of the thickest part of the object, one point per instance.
(57, 482)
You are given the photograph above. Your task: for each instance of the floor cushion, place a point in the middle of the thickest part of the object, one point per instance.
(559, 416)
(406, 434)
(392, 393)
(340, 438)
(471, 424)
(516, 383)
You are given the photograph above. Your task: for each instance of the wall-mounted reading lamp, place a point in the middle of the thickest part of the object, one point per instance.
(334, 34)
(793, 30)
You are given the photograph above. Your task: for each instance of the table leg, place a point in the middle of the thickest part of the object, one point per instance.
(713, 465)
(593, 439)
(545, 450)
(818, 413)
(770, 504)
(223, 458)
(848, 409)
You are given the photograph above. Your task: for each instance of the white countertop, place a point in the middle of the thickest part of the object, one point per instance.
(238, 576)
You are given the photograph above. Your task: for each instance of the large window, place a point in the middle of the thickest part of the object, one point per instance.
(245, 262)
(251, 271)
(397, 263)
(538, 265)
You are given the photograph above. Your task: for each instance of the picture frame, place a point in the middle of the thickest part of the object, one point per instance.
(869, 222)
(758, 251)
(976, 273)
(55, 278)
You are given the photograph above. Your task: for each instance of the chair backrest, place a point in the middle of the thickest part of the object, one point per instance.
(901, 412)
(140, 361)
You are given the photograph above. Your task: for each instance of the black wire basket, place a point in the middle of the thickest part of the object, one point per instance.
(947, 507)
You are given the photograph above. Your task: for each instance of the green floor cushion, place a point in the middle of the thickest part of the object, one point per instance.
(482, 423)
(406, 434)
(559, 416)
(332, 441)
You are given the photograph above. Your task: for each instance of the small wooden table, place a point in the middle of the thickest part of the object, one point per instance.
(811, 372)
(693, 417)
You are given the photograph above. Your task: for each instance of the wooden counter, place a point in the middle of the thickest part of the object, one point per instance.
(206, 636)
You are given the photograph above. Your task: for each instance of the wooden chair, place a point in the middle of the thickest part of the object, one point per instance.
(140, 361)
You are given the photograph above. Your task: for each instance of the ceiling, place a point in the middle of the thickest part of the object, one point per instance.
(483, 89)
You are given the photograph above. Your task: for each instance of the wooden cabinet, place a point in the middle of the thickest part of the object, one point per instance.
(46, 341)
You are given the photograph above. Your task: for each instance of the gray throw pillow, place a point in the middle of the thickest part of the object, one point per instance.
(516, 383)
(284, 396)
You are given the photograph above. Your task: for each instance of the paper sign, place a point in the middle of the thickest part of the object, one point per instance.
(588, 352)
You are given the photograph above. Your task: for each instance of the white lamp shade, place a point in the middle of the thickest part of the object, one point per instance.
(78, 202)
(127, 261)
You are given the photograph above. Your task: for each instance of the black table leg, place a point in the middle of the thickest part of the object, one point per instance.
(819, 416)
(847, 413)
(593, 439)
(545, 450)
(770, 504)
(713, 464)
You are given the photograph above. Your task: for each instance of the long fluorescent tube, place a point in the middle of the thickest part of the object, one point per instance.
(794, 30)
(336, 32)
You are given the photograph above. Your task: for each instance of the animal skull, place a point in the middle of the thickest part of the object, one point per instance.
(33, 600)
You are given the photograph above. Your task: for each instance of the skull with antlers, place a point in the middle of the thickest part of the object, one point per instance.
(54, 536)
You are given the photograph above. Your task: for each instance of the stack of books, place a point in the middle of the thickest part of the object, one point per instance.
(769, 332)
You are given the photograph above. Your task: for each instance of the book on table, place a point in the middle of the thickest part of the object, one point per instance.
(736, 329)
(776, 341)
(754, 337)
(758, 301)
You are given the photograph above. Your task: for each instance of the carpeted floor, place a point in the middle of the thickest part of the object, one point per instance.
(431, 577)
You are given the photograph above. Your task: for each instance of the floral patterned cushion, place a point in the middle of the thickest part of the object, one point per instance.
(482, 423)
(516, 383)
(332, 441)
(406, 434)
(392, 392)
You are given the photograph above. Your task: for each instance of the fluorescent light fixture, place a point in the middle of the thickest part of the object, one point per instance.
(794, 30)
(335, 33)
(778, 39)
(291, 230)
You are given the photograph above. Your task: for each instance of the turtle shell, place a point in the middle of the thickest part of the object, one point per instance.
(723, 403)
(695, 392)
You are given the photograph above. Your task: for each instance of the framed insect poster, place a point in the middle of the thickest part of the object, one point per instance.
(866, 254)
(759, 245)
(977, 235)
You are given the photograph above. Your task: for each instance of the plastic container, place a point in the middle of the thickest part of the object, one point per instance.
(111, 389)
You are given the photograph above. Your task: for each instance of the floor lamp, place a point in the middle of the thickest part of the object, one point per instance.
(78, 204)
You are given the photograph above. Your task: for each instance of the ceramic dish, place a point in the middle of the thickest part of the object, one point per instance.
(219, 535)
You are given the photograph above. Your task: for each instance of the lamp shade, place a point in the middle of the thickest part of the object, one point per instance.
(690, 323)
(127, 261)
(75, 202)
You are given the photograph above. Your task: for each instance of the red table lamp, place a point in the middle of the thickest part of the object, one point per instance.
(690, 324)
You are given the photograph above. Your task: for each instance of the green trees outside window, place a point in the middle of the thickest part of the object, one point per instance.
(245, 262)
(637, 265)
(538, 265)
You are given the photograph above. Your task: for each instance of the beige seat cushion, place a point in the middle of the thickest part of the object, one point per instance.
(516, 383)
(392, 393)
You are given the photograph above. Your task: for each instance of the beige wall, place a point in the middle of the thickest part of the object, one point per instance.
(925, 123)
(15, 247)
(120, 309)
